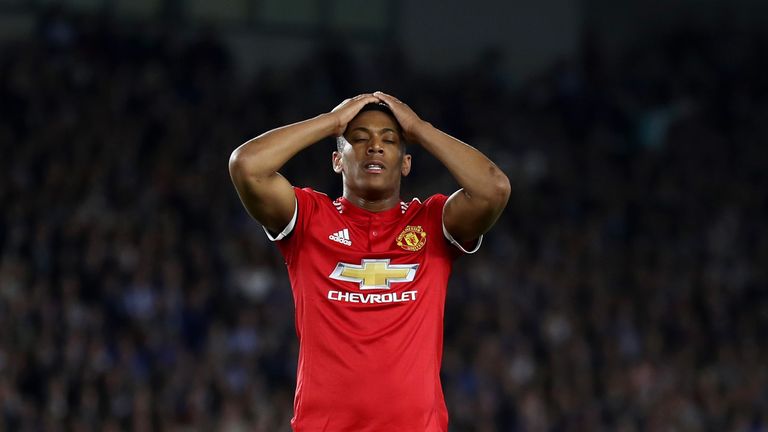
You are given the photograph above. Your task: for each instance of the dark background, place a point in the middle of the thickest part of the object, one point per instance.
(623, 289)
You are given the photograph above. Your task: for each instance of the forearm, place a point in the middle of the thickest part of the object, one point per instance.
(264, 155)
(480, 178)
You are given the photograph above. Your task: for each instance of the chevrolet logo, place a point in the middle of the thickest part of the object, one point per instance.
(374, 274)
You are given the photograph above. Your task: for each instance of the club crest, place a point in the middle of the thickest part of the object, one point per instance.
(412, 238)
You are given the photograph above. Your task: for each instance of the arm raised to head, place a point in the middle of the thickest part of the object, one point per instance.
(472, 210)
(268, 196)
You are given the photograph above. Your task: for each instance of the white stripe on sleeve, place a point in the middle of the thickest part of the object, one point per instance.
(288, 228)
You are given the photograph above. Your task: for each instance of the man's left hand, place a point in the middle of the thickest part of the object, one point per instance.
(408, 119)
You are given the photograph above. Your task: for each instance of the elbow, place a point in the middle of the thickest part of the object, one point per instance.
(499, 188)
(504, 189)
(237, 163)
(242, 162)
(494, 192)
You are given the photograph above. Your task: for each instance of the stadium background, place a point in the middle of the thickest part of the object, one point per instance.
(624, 288)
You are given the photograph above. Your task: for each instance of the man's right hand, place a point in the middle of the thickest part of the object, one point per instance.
(347, 110)
(253, 166)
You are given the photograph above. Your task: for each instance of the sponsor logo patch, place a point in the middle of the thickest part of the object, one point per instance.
(374, 273)
(372, 298)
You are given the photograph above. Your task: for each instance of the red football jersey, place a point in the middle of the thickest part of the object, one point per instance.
(369, 290)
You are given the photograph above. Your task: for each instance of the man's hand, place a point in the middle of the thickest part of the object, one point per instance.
(407, 118)
(347, 110)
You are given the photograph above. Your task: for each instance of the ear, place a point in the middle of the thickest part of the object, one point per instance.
(336, 161)
(405, 168)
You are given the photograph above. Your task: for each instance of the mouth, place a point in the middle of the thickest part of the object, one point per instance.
(374, 167)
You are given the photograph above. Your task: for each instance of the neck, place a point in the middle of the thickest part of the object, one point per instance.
(373, 204)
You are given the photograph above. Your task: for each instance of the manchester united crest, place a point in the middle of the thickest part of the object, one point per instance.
(412, 238)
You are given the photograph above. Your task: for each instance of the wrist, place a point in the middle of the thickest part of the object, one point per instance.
(330, 124)
(418, 132)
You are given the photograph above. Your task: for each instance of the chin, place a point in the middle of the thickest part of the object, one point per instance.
(373, 190)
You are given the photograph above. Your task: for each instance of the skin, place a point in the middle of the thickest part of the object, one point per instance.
(269, 197)
(372, 136)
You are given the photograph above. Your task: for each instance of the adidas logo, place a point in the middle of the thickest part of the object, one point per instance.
(341, 237)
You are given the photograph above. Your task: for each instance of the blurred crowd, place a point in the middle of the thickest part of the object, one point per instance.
(624, 288)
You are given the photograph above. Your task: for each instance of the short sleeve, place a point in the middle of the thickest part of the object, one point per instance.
(436, 205)
(287, 239)
(288, 228)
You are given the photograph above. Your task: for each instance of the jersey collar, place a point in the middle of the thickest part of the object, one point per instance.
(350, 209)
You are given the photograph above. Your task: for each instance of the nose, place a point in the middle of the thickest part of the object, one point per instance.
(375, 147)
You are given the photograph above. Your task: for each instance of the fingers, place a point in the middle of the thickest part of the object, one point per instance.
(347, 110)
(367, 98)
(358, 101)
(388, 99)
(364, 95)
(396, 105)
(407, 118)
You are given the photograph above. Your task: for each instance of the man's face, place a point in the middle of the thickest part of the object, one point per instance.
(372, 159)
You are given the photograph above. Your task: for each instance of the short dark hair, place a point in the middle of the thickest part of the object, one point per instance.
(380, 107)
